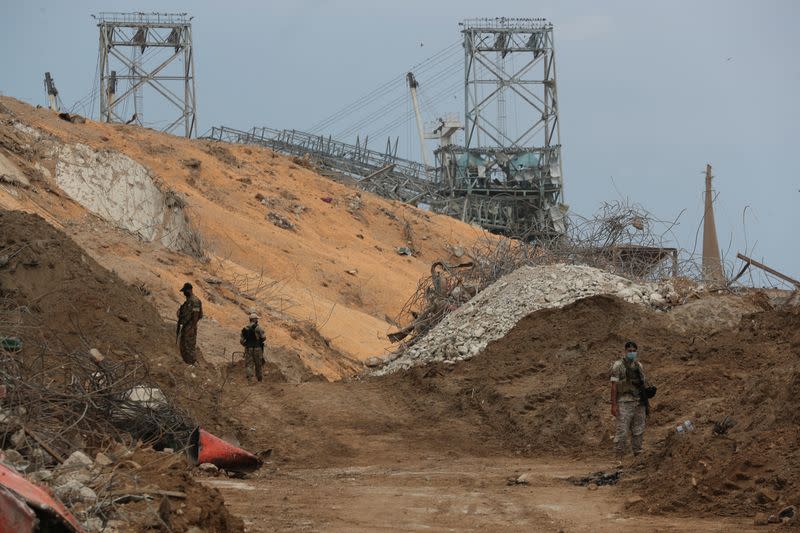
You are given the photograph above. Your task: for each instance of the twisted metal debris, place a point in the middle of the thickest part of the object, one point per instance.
(55, 404)
(621, 238)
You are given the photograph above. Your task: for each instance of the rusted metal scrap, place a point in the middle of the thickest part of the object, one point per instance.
(21, 501)
(445, 290)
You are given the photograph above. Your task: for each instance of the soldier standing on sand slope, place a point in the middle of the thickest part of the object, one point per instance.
(252, 338)
(629, 393)
(189, 314)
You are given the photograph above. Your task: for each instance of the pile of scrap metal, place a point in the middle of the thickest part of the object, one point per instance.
(447, 288)
(56, 404)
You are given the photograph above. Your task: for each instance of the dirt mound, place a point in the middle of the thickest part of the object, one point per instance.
(202, 507)
(248, 227)
(754, 466)
(58, 300)
(58, 297)
(543, 389)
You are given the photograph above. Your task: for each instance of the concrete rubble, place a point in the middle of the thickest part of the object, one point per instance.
(465, 332)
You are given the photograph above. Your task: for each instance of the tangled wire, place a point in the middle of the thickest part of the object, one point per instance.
(56, 404)
(621, 238)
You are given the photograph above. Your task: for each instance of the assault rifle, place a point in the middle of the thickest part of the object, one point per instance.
(645, 393)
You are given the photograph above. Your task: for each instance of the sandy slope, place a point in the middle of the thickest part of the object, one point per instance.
(337, 270)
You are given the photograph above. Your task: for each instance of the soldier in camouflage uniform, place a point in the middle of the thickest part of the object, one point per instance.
(252, 338)
(189, 314)
(627, 384)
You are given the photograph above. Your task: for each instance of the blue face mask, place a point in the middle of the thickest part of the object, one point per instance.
(631, 356)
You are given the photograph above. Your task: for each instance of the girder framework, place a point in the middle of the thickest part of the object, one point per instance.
(381, 172)
(145, 50)
(509, 172)
(507, 177)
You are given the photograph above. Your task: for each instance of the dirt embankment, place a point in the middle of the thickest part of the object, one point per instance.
(59, 300)
(65, 301)
(248, 227)
(543, 390)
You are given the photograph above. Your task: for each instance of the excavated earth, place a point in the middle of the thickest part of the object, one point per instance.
(251, 229)
(428, 448)
(432, 447)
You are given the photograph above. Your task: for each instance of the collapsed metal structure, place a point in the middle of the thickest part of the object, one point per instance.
(144, 49)
(507, 177)
(382, 173)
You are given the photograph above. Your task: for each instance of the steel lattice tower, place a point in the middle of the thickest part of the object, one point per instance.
(509, 171)
(142, 49)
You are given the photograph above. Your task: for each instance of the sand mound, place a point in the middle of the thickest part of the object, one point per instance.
(254, 230)
(543, 389)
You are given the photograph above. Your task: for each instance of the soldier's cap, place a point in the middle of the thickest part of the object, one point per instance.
(186, 287)
(253, 315)
(630, 344)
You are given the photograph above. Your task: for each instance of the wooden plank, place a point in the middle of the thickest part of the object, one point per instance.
(765, 268)
(143, 492)
(43, 444)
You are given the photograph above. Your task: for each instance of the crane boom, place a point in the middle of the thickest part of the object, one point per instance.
(412, 84)
(52, 92)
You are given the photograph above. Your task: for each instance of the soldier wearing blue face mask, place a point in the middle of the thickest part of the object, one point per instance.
(627, 400)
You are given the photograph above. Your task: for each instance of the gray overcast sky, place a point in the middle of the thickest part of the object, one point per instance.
(649, 91)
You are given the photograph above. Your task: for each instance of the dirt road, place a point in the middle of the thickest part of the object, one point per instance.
(363, 456)
(438, 492)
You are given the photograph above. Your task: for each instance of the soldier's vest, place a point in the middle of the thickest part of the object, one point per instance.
(633, 380)
(251, 339)
(187, 310)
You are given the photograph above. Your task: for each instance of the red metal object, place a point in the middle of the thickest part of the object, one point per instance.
(15, 515)
(40, 501)
(207, 448)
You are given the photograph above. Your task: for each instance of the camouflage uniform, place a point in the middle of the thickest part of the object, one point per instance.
(631, 414)
(252, 338)
(189, 313)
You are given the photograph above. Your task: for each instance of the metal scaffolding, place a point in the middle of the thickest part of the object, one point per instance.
(141, 49)
(381, 172)
(507, 177)
(509, 171)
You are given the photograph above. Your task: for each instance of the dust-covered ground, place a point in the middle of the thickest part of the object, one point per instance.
(434, 446)
(430, 448)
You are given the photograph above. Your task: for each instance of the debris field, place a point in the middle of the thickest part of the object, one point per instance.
(496, 417)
